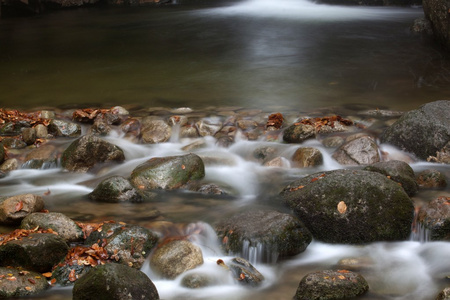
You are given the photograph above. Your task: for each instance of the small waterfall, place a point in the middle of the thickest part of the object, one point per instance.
(419, 233)
(259, 253)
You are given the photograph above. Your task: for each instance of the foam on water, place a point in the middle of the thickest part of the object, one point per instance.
(305, 10)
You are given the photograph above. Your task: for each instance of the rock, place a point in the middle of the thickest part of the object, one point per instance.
(331, 285)
(333, 141)
(59, 223)
(211, 189)
(155, 131)
(398, 171)
(188, 131)
(298, 133)
(175, 257)
(424, 131)
(101, 125)
(244, 272)
(127, 244)
(13, 143)
(44, 157)
(64, 129)
(37, 252)
(115, 189)
(25, 283)
(114, 281)
(435, 216)
(351, 206)
(431, 179)
(29, 135)
(208, 127)
(9, 165)
(437, 13)
(276, 234)
(197, 280)
(278, 162)
(444, 294)
(198, 144)
(178, 120)
(246, 125)
(442, 156)
(131, 127)
(86, 152)
(305, 157)
(422, 26)
(360, 151)
(265, 153)
(170, 172)
(356, 263)
(14, 209)
(41, 131)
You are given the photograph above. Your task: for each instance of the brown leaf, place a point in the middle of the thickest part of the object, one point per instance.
(47, 274)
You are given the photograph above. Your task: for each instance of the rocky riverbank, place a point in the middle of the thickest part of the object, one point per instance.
(367, 199)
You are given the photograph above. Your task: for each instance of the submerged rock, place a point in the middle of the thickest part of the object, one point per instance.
(398, 171)
(275, 234)
(351, 206)
(59, 223)
(245, 273)
(37, 252)
(14, 209)
(435, 216)
(171, 172)
(84, 153)
(16, 283)
(423, 131)
(175, 257)
(114, 281)
(197, 280)
(331, 285)
(431, 179)
(115, 189)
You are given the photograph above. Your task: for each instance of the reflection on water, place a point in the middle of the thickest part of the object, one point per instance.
(256, 53)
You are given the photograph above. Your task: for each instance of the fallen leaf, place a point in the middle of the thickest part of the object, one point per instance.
(28, 288)
(31, 280)
(47, 274)
(342, 207)
(19, 206)
(341, 277)
(53, 281)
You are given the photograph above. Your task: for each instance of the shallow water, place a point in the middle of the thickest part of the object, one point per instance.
(287, 56)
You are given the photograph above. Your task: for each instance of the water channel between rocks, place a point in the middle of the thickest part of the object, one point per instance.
(288, 56)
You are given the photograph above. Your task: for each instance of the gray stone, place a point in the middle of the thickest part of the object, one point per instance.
(298, 133)
(431, 179)
(175, 257)
(305, 157)
(360, 151)
(115, 189)
(64, 129)
(155, 131)
(59, 223)
(14, 209)
(25, 283)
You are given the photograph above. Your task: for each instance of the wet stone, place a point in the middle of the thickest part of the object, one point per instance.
(197, 280)
(305, 157)
(431, 179)
(21, 283)
(244, 272)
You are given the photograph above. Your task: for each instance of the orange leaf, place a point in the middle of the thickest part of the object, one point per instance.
(343, 271)
(53, 281)
(342, 207)
(19, 206)
(183, 167)
(341, 277)
(48, 274)
(314, 179)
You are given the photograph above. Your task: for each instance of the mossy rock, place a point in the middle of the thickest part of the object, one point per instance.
(351, 206)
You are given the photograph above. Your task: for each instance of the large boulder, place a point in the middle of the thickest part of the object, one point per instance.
(84, 153)
(175, 257)
(437, 11)
(19, 283)
(169, 172)
(399, 171)
(14, 209)
(331, 285)
(114, 281)
(424, 131)
(276, 234)
(37, 252)
(58, 222)
(351, 206)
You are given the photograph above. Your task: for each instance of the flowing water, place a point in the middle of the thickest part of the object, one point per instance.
(272, 55)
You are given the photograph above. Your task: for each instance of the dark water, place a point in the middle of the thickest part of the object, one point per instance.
(288, 56)
(252, 54)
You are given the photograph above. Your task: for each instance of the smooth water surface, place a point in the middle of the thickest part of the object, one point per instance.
(256, 53)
